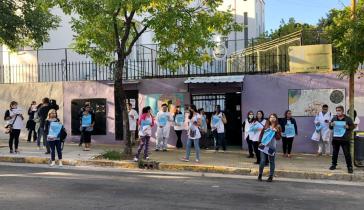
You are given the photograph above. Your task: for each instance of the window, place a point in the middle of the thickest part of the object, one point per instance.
(208, 102)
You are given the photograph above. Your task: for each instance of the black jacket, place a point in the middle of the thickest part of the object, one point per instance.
(348, 132)
(283, 123)
(47, 124)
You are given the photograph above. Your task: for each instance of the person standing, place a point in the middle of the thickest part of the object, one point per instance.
(289, 131)
(42, 114)
(322, 121)
(272, 126)
(163, 120)
(247, 134)
(259, 125)
(87, 126)
(178, 126)
(218, 128)
(31, 123)
(14, 124)
(133, 118)
(356, 120)
(52, 129)
(146, 122)
(203, 129)
(193, 133)
(343, 126)
(87, 103)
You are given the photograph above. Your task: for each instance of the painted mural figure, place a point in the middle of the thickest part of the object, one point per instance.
(322, 131)
(133, 118)
(163, 121)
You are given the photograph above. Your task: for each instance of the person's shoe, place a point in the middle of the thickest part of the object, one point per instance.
(147, 158)
(52, 164)
(197, 161)
(289, 156)
(135, 159)
(185, 159)
(319, 154)
(11, 151)
(350, 170)
(157, 150)
(260, 177)
(80, 144)
(332, 167)
(250, 156)
(164, 150)
(60, 164)
(266, 164)
(17, 151)
(270, 179)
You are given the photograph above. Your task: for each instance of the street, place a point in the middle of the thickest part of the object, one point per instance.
(40, 187)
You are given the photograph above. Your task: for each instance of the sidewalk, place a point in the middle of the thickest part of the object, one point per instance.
(233, 161)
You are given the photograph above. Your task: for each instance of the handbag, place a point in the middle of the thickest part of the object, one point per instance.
(9, 127)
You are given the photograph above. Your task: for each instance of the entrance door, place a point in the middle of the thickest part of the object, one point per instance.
(233, 116)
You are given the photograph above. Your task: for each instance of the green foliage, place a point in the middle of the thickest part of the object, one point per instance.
(115, 155)
(25, 23)
(183, 29)
(347, 37)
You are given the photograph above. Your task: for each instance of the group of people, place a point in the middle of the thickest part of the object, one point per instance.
(194, 121)
(45, 127)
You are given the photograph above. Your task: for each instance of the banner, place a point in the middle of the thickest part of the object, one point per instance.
(54, 129)
(339, 128)
(86, 120)
(180, 118)
(289, 131)
(215, 120)
(255, 127)
(268, 136)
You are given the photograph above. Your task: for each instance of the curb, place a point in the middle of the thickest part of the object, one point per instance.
(193, 168)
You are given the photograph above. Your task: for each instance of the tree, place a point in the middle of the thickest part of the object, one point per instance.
(25, 23)
(107, 27)
(346, 36)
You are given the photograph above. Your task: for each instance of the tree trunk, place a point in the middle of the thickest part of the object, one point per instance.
(351, 107)
(121, 114)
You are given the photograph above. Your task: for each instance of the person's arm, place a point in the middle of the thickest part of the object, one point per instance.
(349, 124)
(92, 120)
(7, 115)
(331, 125)
(244, 125)
(46, 127)
(199, 121)
(282, 123)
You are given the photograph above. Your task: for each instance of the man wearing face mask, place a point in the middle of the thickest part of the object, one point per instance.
(341, 137)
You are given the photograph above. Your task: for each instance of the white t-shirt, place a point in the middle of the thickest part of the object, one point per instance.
(255, 136)
(356, 122)
(18, 124)
(193, 127)
(133, 120)
(219, 125)
(163, 131)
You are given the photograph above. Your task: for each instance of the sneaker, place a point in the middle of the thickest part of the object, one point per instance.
(350, 170)
(289, 156)
(147, 158)
(260, 177)
(135, 159)
(17, 151)
(11, 151)
(197, 161)
(157, 150)
(270, 179)
(39, 148)
(60, 163)
(332, 168)
(185, 160)
(52, 164)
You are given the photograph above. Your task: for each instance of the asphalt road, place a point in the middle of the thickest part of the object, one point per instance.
(40, 187)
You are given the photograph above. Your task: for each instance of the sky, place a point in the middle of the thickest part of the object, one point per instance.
(308, 11)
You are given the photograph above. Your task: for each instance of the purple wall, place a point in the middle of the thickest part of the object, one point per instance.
(270, 94)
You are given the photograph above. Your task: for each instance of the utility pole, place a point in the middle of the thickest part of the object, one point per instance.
(351, 82)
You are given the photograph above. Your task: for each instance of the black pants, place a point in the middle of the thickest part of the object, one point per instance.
(14, 139)
(55, 145)
(250, 146)
(203, 140)
(179, 139)
(30, 135)
(287, 145)
(345, 145)
(220, 140)
(257, 152)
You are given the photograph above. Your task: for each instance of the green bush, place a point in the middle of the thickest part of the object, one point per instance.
(115, 155)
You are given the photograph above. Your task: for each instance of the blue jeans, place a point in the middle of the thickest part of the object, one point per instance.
(272, 165)
(53, 146)
(220, 140)
(42, 134)
(197, 148)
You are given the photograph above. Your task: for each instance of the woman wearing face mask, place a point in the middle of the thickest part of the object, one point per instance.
(259, 124)
(14, 118)
(247, 134)
(271, 125)
(289, 131)
(194, 134)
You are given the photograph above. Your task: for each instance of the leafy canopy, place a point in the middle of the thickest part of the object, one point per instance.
(183, 29)
(25, 23)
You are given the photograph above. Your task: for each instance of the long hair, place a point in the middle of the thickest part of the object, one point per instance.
(260, 111)
(247, 116)
(193, 107)
(286, 112)
(49, 113)
(276, 124)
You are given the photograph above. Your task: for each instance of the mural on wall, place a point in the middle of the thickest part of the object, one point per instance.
(309, 102)
(172, 100)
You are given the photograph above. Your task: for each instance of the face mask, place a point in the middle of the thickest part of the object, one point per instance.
(339, 113)
(251, 116)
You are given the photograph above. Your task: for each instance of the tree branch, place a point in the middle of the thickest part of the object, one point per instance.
(128, 25)
(135, 39)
